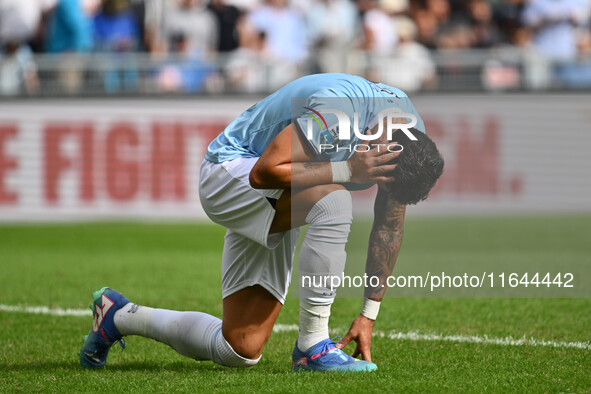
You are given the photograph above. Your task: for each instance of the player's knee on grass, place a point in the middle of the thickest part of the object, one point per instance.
(233, 353)
(248, 345)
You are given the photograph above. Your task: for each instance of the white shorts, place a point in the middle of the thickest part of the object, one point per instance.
(251, 256)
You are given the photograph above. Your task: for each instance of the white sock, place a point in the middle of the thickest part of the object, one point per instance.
(134, 319)
(313, 324)
(322, 254)
(193, 334)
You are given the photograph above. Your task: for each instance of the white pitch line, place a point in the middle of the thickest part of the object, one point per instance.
(393, 335)
(506, 341)
(44, 310)
(285, 328)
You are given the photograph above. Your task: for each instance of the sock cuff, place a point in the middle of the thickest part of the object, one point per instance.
(321, 311)
(335, 208)
(228, 356)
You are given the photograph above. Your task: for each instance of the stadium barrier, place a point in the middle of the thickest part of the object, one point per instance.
(120, 159)
(243, 71)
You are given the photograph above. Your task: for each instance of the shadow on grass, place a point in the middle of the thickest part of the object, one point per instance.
(52, 366)
(135, 366)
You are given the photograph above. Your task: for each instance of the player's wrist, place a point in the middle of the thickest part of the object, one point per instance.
(370, 308)
(341, 172)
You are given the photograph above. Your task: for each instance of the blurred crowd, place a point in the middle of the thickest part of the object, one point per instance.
(248, 43)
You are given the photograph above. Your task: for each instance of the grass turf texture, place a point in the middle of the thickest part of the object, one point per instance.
(178, 267)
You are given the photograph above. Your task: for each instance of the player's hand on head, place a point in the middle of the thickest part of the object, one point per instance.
(374, 164)
(360, 331)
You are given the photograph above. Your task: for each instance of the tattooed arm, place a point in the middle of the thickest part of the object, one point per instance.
(384, 241)
(384, 244)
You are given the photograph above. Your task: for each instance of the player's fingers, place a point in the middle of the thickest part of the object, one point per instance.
(382, 179)
(345, 341)
(384, 170)
(366, 353)
(373, 150)
(385, 157)
(378, 148)
(357, 352)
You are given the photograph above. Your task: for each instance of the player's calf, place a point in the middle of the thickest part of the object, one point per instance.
(322, 255)
(192, 334)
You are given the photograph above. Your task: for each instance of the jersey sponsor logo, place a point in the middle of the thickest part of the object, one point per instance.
(101, 312)
(328, 135)
(331, 135)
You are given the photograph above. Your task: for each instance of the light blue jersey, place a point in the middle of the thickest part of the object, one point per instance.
(310, 101)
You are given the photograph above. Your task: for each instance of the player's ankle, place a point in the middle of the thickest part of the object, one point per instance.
(133, 319)
(306, 341)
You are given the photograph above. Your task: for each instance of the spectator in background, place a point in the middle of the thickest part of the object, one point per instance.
(286, 41)
(455, 36)
(245, 5)
(227, 17)
(154, 35)
(70, 27)
(138, 10)
(440, 9)
(190, 30)
(427, 26)
(70, 31)
(508, 17)
(246, 70)
(331, 38)
(197, 25)
(485, 33)
(411, 68)
(395, 7)
(284, 29)
(20, 19)
(279, 33)
(380, 35)
(18, 72)
(555, 23)
(188, 73)
(116, 30)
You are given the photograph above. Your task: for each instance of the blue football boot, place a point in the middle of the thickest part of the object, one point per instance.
(326, 357)
(103, 333)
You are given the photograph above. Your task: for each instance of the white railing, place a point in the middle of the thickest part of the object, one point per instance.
(104, 74)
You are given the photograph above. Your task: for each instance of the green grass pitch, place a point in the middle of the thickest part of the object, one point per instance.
(178, 266)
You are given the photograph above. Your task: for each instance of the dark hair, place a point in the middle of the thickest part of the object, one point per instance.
(419, 166)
